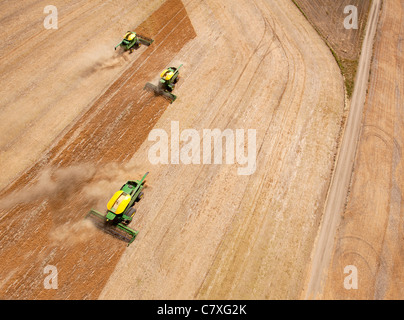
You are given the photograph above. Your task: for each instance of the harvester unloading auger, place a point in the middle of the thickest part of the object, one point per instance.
(132, 41)
(120, 211)
(168, 79)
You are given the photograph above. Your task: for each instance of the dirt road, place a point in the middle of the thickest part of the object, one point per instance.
(370, 235)
(339, 187)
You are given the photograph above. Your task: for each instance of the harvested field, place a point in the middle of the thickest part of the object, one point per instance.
(213, 233)
(81, 124)
(89, 153)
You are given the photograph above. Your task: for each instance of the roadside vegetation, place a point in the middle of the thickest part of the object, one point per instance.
(327, 18)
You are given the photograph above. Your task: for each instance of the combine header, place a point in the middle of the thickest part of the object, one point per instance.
(133, 41)
(168, 79)
(120, 211)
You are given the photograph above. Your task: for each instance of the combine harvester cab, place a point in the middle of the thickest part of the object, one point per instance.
(120, 211)
(168, 79)
(132, 41)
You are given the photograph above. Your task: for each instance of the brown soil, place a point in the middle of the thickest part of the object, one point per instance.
(328, 16)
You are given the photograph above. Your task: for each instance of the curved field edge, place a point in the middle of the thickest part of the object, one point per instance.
(347, 60)
(222, 235)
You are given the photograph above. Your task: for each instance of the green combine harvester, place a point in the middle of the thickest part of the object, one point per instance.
(132, 41)
(168, 79)
(120, 211)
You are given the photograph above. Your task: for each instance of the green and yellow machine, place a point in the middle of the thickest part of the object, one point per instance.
(168, 79)
(120, 211)
(132, 41)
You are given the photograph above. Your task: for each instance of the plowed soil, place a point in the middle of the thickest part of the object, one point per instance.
(212, 233)
(328, 17)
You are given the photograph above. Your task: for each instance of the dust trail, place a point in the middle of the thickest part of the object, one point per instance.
(103, 58)
(51, 184)
(109, 179)
(71, 234)
(85, 183)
